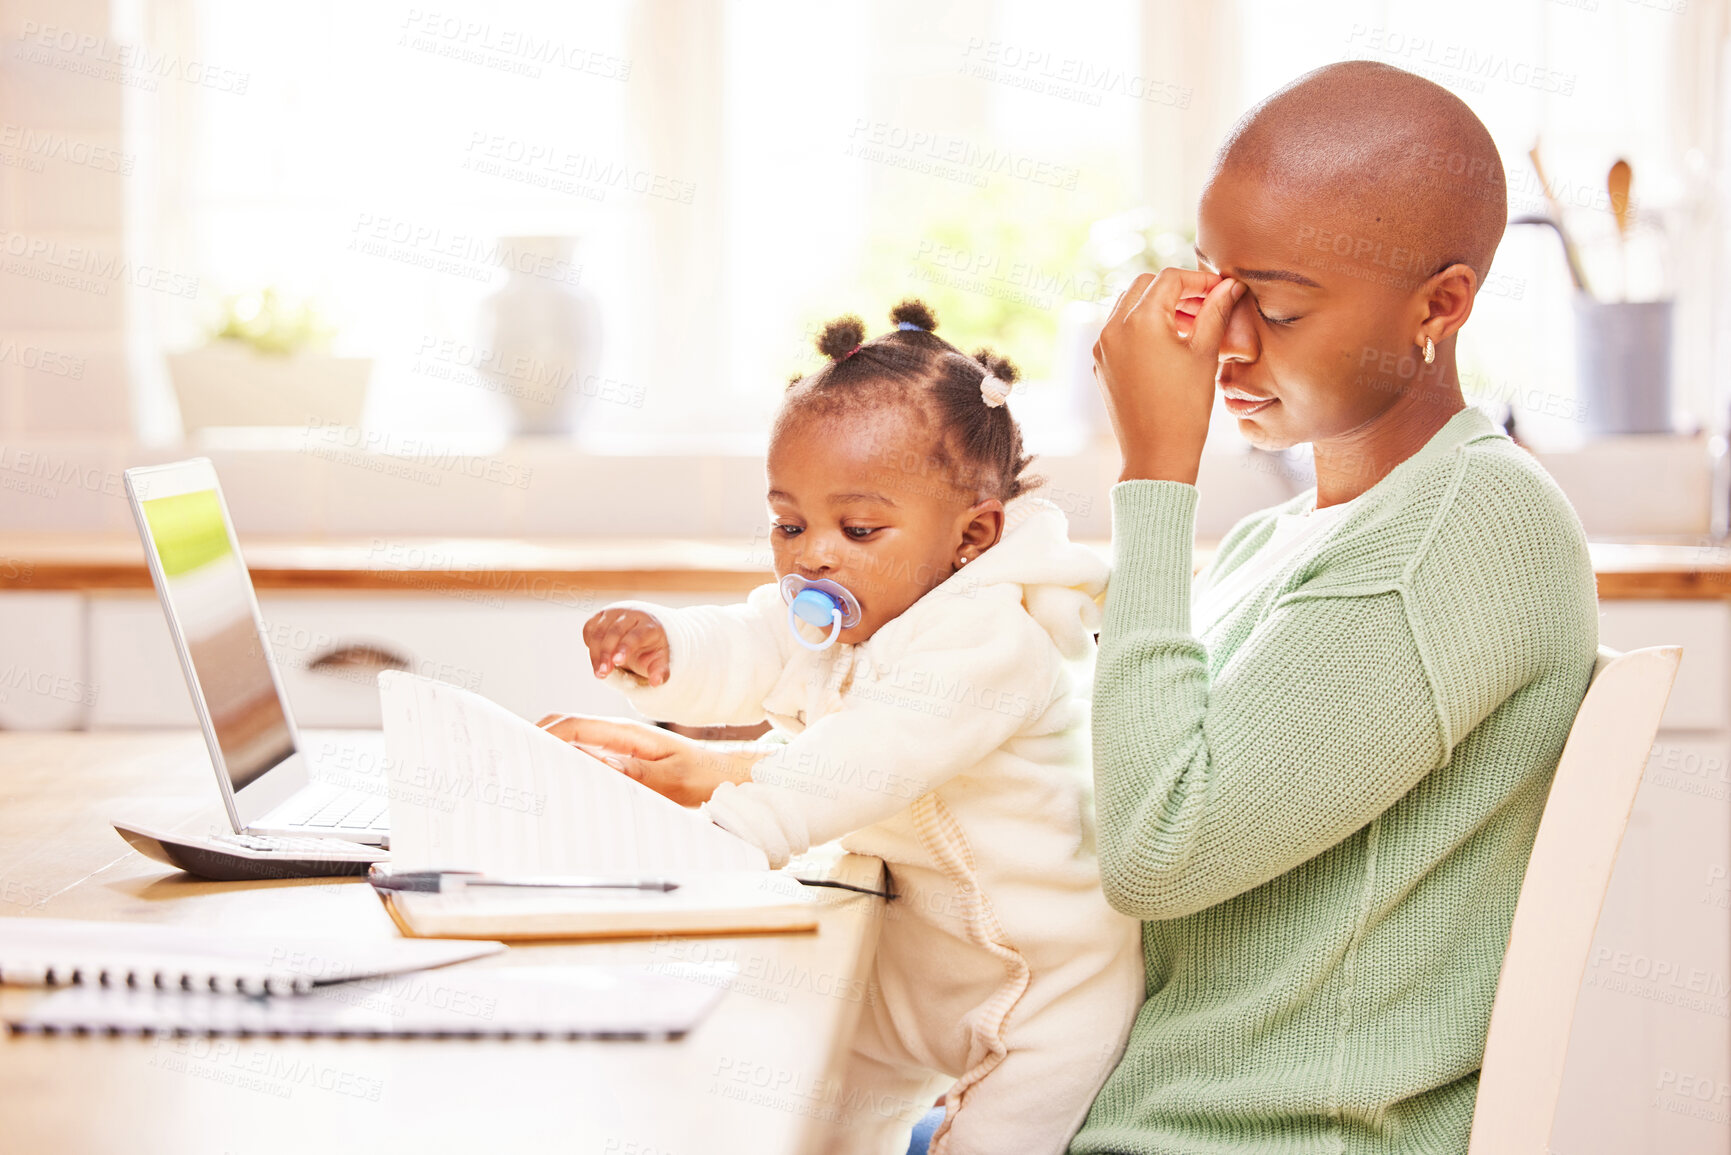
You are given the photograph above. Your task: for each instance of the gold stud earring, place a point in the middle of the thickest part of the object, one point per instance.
(1429, 350)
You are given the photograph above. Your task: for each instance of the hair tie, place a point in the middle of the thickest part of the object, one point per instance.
(851, 352)
(994, 391)
(905, 325)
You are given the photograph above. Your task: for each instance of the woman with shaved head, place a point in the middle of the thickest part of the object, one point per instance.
(1320, 764)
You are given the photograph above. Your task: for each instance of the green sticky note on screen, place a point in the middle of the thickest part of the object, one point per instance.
(188, 530)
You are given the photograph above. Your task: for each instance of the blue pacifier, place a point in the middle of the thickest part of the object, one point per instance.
(821, 603)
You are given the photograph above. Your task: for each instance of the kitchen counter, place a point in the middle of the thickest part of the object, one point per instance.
(508, 566)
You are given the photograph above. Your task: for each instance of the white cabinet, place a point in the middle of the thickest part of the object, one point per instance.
(1701, 699)
(524, 653)
(44, 683)
(1649, 1069)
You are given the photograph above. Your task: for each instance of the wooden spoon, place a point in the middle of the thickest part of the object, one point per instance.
(1617, 184)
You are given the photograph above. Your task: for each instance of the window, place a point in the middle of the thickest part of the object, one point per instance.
(739, 172)
(800, 161)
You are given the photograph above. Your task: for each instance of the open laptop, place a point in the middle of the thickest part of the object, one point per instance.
(262, 768)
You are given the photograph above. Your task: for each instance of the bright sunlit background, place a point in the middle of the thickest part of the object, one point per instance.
(738, 173)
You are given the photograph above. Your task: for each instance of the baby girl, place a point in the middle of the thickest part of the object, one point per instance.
(921, 659)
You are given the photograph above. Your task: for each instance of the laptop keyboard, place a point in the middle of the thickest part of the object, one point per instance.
(350, 812)
(340, 810)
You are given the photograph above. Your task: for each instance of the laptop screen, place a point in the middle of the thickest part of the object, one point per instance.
(211, 592)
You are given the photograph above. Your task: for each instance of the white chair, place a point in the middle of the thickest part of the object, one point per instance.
(1567, 875)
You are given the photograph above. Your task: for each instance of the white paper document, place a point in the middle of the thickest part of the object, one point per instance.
(475, 787)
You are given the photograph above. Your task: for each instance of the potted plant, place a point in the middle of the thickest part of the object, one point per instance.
(267, 363)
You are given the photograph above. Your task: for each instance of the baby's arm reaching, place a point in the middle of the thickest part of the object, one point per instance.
(962, 688)
(698, 665)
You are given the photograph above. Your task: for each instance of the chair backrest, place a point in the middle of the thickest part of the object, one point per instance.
(1558, 911)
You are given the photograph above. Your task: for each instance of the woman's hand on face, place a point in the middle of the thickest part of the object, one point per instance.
(684, 770)
(1155, 362)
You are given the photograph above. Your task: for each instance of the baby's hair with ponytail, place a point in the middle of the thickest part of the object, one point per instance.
(978, 443)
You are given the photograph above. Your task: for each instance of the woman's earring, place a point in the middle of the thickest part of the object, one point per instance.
(1429, 350)
(961, 561)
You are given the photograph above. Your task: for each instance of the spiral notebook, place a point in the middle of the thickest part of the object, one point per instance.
(58, 951)
(562, 1002)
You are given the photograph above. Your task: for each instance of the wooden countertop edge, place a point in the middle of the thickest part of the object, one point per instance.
(520, 582)
(561, 573)
(1664, 585)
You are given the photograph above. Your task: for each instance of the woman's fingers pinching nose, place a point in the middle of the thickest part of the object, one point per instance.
(1209, 328)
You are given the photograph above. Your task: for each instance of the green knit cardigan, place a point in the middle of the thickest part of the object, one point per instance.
(1322, 807)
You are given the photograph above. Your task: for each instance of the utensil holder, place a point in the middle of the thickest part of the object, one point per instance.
(1623, 365)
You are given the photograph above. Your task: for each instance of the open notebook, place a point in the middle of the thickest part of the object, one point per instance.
(474, 787)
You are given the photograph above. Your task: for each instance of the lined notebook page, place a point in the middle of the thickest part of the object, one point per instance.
(475, 787)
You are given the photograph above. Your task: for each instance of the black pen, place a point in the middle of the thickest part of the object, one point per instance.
(432, 881)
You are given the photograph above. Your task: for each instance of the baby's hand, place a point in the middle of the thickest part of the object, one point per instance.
(629, 640)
